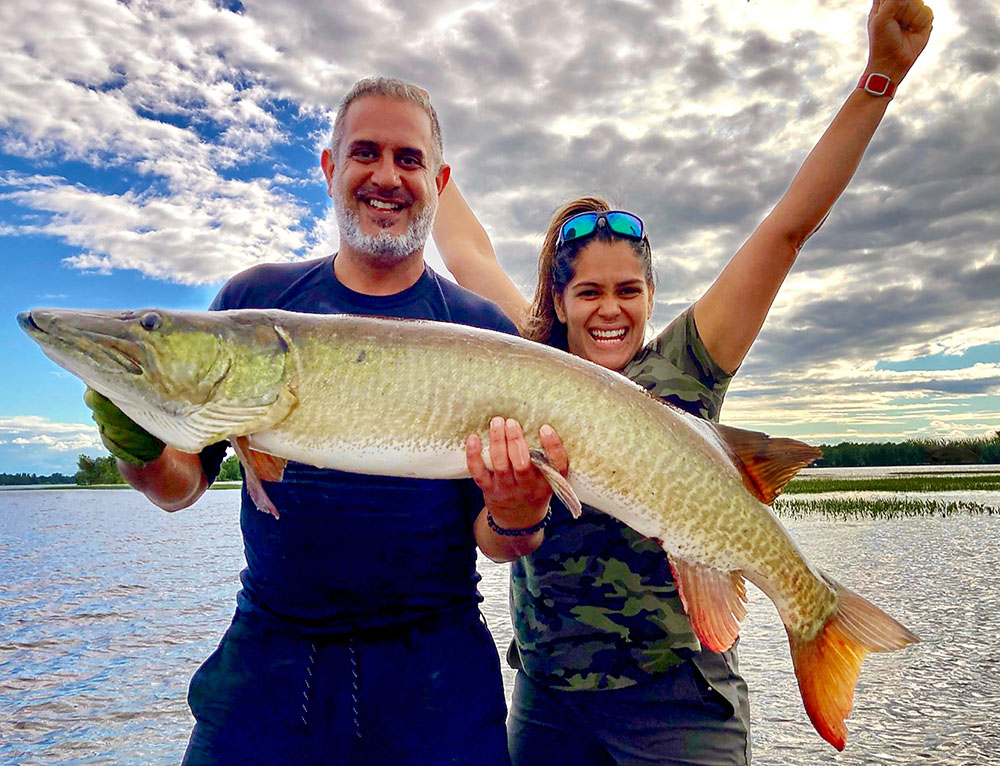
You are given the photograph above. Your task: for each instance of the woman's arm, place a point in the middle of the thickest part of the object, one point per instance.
(468, 253)
(732, 311)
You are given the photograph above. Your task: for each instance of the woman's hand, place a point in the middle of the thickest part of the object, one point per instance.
(516, 494)
(898, 31)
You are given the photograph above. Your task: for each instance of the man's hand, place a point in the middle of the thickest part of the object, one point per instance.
(898, 31)
(515, 492)
(124, 438)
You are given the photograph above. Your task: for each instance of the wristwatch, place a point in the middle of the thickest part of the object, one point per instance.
(877, 84)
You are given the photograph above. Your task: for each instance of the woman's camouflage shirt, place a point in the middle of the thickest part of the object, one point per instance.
(595, 607)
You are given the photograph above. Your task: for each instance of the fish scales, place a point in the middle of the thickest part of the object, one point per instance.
(406, 412)
(400, 397)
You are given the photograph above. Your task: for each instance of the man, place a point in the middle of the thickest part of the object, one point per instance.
(357, 636)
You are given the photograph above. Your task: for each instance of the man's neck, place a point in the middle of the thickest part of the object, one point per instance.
(363, 274)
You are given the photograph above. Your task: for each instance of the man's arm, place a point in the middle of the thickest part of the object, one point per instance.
(732, 311)
(171, 479)
(516, 495)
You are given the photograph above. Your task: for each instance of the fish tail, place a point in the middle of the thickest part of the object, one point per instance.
(828, 665)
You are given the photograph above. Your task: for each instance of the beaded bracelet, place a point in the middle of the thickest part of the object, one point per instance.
(519, 532)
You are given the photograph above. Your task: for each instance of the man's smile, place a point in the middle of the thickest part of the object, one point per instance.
(383, 205)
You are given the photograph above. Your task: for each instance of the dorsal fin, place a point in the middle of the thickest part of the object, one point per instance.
(767, 464)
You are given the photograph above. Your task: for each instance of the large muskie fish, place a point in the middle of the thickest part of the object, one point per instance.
(393, 397)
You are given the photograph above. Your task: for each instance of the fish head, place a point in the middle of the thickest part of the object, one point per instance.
(190, 378)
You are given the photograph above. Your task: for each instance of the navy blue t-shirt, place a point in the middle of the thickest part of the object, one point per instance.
(354, 552)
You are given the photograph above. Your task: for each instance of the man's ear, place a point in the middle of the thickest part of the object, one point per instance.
(326, 162)
(441, 180)
(557, 303)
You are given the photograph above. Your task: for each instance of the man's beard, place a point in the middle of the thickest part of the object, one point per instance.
(387, 249)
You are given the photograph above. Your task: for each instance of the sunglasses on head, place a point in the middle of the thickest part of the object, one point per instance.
(617, 222)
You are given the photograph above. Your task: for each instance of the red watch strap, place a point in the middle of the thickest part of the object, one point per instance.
(877, 84)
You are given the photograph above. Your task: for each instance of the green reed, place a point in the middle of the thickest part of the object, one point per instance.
(845, 508)
(922, 483)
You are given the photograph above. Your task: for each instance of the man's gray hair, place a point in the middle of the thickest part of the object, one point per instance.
(391, 88)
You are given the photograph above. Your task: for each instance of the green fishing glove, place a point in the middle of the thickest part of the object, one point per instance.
(124, 438)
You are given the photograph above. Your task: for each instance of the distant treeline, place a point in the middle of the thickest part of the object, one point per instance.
(104, 470)
(101, 470)
(97, 470)
(9, 479)
(957, 452)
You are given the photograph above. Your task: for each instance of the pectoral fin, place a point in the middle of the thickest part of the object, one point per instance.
(767, 464)
(560, 486)
(267, 467)
(258, 467)
(714, 600)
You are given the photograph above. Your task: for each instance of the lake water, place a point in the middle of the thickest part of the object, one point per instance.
(108, 606)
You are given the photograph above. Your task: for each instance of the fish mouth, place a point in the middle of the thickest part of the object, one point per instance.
(73, 334)
(123, 355)
(27, 323)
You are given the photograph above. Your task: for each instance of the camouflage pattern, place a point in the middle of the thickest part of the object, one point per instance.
(596, 607)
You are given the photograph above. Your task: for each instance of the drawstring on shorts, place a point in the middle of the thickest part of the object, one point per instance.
(355, 713)
(307, 684)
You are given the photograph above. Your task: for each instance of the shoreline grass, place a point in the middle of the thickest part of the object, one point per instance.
(852, 508)
(923, 483)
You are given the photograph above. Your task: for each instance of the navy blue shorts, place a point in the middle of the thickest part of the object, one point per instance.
(430, 694)
(677, 719)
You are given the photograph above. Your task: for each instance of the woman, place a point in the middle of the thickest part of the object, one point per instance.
(610, 671)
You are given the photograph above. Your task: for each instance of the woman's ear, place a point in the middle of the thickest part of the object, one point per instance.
(557, 303)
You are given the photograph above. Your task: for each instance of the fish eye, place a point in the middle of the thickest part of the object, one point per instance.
(150, 321)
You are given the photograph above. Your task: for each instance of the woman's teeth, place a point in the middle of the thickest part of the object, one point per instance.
(609, 336)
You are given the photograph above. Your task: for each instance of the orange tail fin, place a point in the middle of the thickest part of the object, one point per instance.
(828, 666)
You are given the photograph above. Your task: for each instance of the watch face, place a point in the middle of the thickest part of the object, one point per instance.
(877, 84)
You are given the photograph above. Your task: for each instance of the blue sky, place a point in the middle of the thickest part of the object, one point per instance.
(150, 149)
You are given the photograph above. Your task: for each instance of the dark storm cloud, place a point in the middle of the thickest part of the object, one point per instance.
(933, 192)
(871, 320)
(705, 70)
(981, 61)
(980, 22)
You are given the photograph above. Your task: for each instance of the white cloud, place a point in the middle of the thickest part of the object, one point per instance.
(35, 431)
(190, 237)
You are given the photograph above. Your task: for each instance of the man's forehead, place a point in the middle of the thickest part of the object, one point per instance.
(387, 120)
